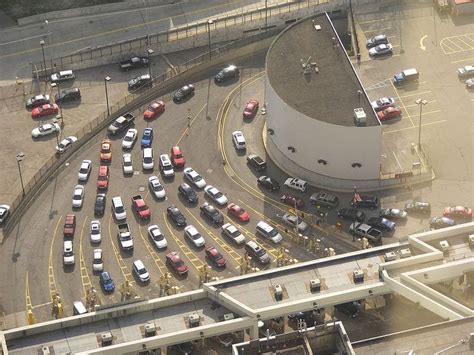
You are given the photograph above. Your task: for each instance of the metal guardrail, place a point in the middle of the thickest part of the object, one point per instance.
(137, 99)
(175, 34)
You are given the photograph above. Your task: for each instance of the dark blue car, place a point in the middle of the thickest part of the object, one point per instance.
(106, 282)
(382, 224)
(147, 138)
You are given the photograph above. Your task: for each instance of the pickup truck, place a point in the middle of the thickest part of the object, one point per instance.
(364, 230)
(125, 237)
(121, 123)
(134, 63)
(141, 207)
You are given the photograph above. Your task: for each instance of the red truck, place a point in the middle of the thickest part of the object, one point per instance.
(141, 207)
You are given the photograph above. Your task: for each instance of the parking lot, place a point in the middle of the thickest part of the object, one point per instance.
(35, 247)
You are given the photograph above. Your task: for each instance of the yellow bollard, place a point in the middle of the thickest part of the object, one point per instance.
(30, 317)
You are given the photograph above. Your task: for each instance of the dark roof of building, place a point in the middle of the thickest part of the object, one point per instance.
(331, 94)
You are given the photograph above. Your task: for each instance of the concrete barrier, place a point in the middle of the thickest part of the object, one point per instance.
(92, 10)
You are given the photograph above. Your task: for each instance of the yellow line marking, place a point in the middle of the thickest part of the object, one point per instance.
(122, 29)
(85, 279)
(193, 258)
(462, 60)
(158, 262)
(51, 280)
(232, 253)
(29, 306)
(407, 128)
(41, 305)
(123, 268)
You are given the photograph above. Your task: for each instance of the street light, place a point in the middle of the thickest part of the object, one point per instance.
(56, 84)
(149, 52)
(107, 78)
(19, 158)
(420, 103)
(266, 16)
(44, 63)
(209, 23)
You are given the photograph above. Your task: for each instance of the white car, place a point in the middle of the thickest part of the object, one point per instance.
(95, 232)
(97, 262)
(215, 195)
(239, 140)
(156, 187)
(194, 178)
(233, 233)
(157, 237)
(65, 144)
(147, 160)
(296, 184)
(130, 138)
(127, 163)
(194, 236)
(4, 212)
(381, 49)
(78, 196)
(84, 170)
(465, 71)
(46, 129)
(470, 83)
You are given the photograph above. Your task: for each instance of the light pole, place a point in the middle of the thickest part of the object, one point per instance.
(209, 23)
(107, 78)
(149, 52)
(49, 32)
(266, 16)
(420, 103)
(19, 158)
(44, 63)
(58, 102)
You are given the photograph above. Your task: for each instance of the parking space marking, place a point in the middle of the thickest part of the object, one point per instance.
(51, 280)
(158, 262)
(381, 84)
(85, 279)
(232, 253)
(407, 128)
(447, 43)
(377, 29)
(123, 268)
(415, 94)
(398, 162)
(414, 105)
(193, 258)
(401, 103)
(462, 60)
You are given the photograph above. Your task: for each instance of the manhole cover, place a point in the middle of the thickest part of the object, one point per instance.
(136, 172)
(141, 188)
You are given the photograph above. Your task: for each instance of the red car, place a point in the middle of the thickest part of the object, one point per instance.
(177, 158)
(106, 150)
(103, 178)
(154, 110)
(213, 254)
(389, 113)
(45, 110)
(69, 225)
(290, 200)
(458, 212)
(237, 211)
(140, 206)
(251, 109)
(178, 265)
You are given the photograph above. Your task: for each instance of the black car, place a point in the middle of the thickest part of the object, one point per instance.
(269, 183)
(183, 93)
(139, 82)
(365, 201)
(254, 161)
(212, 213)
(229, 72)
(99, 206)
(351, 214)
(68, 95)
(418, 207)
(176, 216)
(441, 222)
(37, 100)
(382, 224)
(188, 193)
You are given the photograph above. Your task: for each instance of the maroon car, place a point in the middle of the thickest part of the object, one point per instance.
(176, 263)
(291, 200)
(251, 109)
(217, 259)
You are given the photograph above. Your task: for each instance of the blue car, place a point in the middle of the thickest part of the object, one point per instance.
(106, 282)
(382, 224)
(147, 138)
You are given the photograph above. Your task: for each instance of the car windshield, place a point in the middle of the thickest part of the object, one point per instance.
(218, 194)
(157, 187)
(195, 236)
(77, 197)
(197, 178)
(125, 237)
(274, 232)
(97, 260)
(158, 236)
(260, 252)
(142, 271)
(147, 160)
(68, 253)
(102, 177)
(236, 233)
(178, 263)
(119, 209)
(95, 231)
(68, 225)
(128, 138)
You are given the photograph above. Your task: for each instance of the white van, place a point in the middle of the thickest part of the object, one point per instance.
(68, 253)
(141, 271)
(118, 208)
(296, 184)
(62, 76)
(148, 162)
(268, 232)
(165, 166)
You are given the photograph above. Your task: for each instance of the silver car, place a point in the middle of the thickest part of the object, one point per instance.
(295, 222)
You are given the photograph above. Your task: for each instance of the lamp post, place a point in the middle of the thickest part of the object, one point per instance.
(44, 63)
(58, 102)
(266, 16)
(149, 52)
(209, 23)
(19, 158)
(107, 78)
(420, 103)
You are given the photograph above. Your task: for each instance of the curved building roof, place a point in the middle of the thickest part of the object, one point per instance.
(331, 93)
